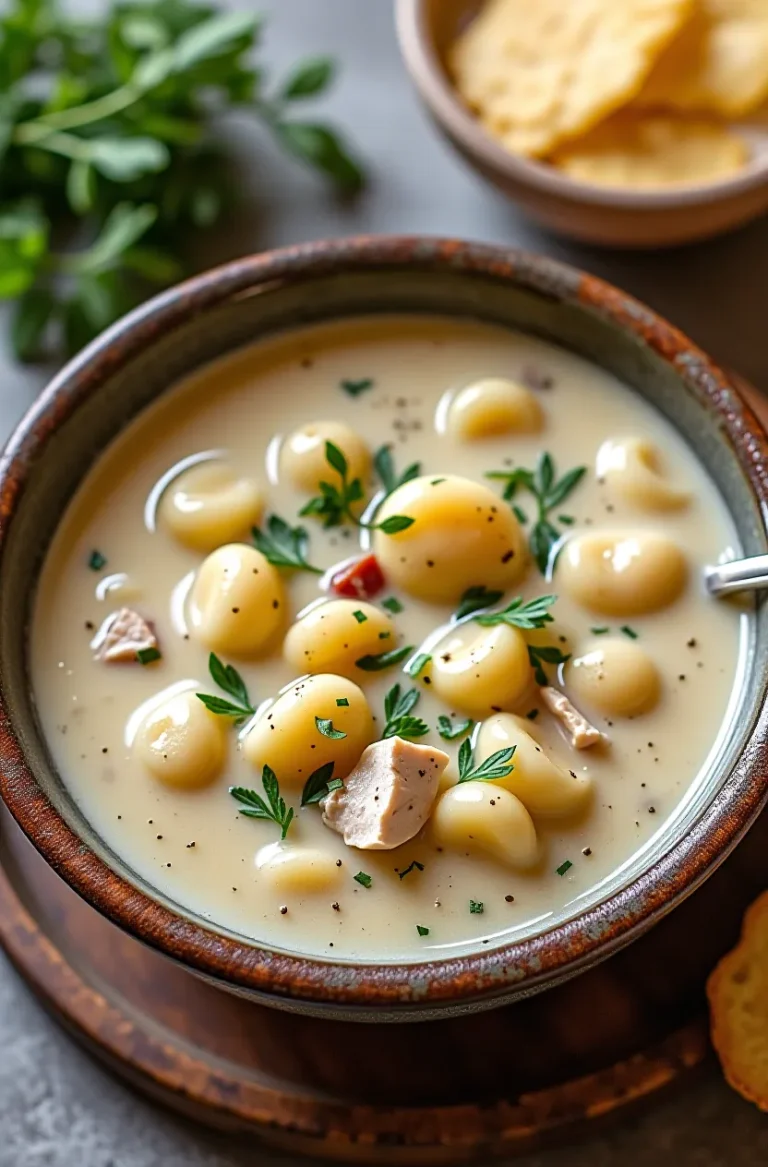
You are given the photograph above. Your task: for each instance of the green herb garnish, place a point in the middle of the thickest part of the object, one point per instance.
(254, 806)
(561, 870)
(112, 136)
(360, 616)
(450, 730)
(476, 907)
(284, 546)
(422, 931)
(630, 632)
(228, 679)
(393, 605)
(600, 631)
(521, 613)
(334, 504)
(319, 783)
(418, 664)
(397, 709)
(548, 492)
(342, 701)
(519, 514)
(363, 879)
(146, 656)
(413, 866)
(532, 714)
(95, 560)
(499, 765)
(541, 654)
(385, 468)
(474, 599)
(375, 662)
(355, 388)
(325, 727)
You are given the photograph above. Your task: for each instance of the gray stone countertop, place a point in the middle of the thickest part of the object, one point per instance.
(58, 1109)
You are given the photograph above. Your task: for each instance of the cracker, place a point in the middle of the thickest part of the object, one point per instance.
(738, 1001)
(718, 63)
(536, 72)
(647, 151)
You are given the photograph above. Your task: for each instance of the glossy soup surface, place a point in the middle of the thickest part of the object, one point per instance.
(657, 682)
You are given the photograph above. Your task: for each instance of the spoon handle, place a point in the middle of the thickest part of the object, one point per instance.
(737, 576)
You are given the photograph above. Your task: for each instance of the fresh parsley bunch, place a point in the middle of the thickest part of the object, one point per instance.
(111, 154)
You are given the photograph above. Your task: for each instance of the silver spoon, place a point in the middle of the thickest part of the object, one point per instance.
(737, 576)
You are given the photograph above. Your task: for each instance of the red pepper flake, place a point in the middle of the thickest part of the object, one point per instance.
(360, 580)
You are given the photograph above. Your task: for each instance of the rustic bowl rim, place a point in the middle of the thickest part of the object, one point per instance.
(426, 71)
(513, 968)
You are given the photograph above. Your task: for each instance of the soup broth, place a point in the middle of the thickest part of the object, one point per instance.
(578, 724)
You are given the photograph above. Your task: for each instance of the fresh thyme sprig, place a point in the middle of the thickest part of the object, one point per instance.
(284, 546)
(549, 492)
(397, 709)
(254, 806)
(519, 613)
(499, 765)
(334, 504)
(228, 679)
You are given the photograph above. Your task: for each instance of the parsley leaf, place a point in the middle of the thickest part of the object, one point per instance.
(355, 388)
(363, 879)
(228, 679)
(521, 613)
(335, 504)
(375, 662)
(474, 599)
(422, 931)
(385, 468)
(284, 546)
(499, 765)
(549, 492)
(450, 730)
(397, 709)
(547, 653)
(476, 907)
(255, 807)
(393, 605)
(325, 726)
(95, 560)
(319, 784)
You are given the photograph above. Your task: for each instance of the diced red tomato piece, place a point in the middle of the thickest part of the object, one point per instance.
(361, 580)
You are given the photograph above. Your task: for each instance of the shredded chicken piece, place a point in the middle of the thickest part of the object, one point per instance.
(122, 636)
(388, 796)
(583, 733)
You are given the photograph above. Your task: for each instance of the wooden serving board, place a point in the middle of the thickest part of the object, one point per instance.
(438, 1092)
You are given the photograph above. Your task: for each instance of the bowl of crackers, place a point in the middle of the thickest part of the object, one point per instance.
(631, 123)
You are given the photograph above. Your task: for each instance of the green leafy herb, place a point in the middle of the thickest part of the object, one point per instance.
(521, 614)
(630, 632)
(334, 504)
(519, 514)
(549, 492)
(111, 139)
(385, 468)
(393, 605)
(532, 714)
(342, 701)
(96, 561)
(375, 662)
(360, 616)
(397, 710)
(228, 679)
(363, 879)
(476, 907)
(566, 520)
(335, 784)
(541, 654)
(474, 599)
(422, 931)
(450, 730)
(273, 809)
(325, 727)
(418, 664)
(319, 784)
(497, 766)
(146, 656)
(355, 388)
(561, 870)
(599, 631)
(284, 546)
(413, 866)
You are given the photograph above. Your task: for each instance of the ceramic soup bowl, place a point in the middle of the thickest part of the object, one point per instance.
(137, 360)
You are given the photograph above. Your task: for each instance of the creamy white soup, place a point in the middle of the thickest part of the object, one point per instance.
(386, 638)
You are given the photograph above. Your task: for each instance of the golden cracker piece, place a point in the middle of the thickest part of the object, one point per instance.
(718, 63)
(650, 152)
(536, 72)
(738, 1002)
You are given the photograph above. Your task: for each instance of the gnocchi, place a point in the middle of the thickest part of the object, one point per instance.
(617, 677)
(492, 407)
(181, 744)
(622, 574)
(482, 816)
(209, 505)
(333, 635)
(237, 602)
(461, 533)
(632, 468)
(302, 457)
(288, 738)
(479, 669)
(545, 789)
(292, 869)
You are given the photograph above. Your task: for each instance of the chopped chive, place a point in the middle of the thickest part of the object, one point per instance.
(566, 520)
(363, 879)
(561, 870)
(355, 388)
(342, 701)
(419, 664)
(599, 631)
(360, 616)
(146, 656)
(630, 632)
(436, 481)
(392, 604)
(96, 561)
(476, 907)
(422, 931)
(375, 662)
(414, 866)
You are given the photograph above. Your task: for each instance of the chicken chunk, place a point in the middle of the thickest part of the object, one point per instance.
(122, 636)
(582, 733)
(388, 796)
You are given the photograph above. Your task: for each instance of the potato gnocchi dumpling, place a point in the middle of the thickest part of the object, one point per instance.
(462, 534)
(479, 669)
(482, 816)
(303, 461)
(209, 505)
(622, 573)
(181, 743)
(545, 789)
(287, 736)
(632, 467)
(292, 868)
(492, 407)
(237, 602)
(615, 676)
(330, 637)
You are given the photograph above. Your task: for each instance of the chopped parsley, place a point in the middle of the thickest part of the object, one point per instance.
(532, 714)
(146, 656)
(414, 866)
(273, 809)
(385, 468)
(335, 504)
(541, 654)
(476, 907)
(319, 783)
(96, 561)
(422, 931)
(363, 879)
(393, 605)
(284, 546)
(384, 635)
(566, 866)
(499, 765)
(549, 492)
(342, 702)
(521, 613)
(360, 616)
(418, 664)
(375, 662)
(630, 632)
(355, 388)
(600, 631)
(474, 599)
(228, 679)
(325, 727)
(397, 710)
(450, 730)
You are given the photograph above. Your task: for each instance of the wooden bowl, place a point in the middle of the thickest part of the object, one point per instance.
(94, 397)
(585, 211)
